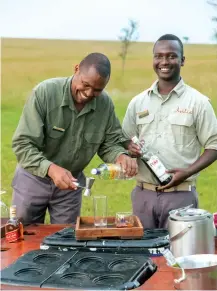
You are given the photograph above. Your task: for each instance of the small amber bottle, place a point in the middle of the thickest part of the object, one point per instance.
(13, 227)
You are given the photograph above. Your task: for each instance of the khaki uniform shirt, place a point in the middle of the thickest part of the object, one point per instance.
(175, 128)
(51, 130)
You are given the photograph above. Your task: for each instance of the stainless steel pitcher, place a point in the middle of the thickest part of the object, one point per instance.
(198, 272)
(191, 232)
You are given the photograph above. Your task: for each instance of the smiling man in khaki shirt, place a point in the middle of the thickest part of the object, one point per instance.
(65, 122)
(178, 121)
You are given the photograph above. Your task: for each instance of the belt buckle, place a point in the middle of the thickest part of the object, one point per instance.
(159, 191)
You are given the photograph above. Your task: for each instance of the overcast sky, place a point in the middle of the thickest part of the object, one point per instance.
(103, 20)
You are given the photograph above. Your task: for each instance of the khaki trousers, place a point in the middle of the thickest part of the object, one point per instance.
(153, 207)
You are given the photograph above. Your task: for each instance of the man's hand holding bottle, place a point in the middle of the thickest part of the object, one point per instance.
(128, 165)
(178, 176)
(175, 176)
(151, 160)
(134, 150)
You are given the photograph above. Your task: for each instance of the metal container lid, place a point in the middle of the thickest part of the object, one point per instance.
(189, 214)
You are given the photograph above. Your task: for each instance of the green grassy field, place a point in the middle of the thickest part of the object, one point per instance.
(27, 62)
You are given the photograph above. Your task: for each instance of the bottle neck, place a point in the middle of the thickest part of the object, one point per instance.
(13, 212)
(147, 155)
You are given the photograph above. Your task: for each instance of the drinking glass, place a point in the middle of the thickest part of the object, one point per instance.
(100, 211)
(124, 219)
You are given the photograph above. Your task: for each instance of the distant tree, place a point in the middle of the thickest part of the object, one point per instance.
(214, 18)
(128, 36)
(186, 39)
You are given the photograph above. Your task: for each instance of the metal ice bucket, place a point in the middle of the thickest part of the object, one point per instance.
(191, 232)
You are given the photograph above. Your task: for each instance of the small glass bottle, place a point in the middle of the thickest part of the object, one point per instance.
(13, 227)
(170, 258)
(110, 172)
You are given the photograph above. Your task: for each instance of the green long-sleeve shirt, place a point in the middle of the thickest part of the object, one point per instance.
(51, 130)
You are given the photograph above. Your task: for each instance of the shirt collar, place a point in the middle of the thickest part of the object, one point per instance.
(178, 89)
(68, 99)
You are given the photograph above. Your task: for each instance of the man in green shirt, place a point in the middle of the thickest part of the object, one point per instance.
(65, 122)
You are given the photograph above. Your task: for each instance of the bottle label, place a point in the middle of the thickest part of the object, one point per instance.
(114, 171)
(13, 235)
(158, 168)
(110, 172)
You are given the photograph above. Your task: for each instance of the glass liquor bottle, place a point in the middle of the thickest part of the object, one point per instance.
(13, 227)
(110, 172)
(153, 163)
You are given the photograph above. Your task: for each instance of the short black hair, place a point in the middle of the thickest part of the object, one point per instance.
(171, 37)
(99, 61)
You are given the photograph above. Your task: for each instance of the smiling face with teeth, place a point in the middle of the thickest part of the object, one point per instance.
(168, 60)
(86, 85)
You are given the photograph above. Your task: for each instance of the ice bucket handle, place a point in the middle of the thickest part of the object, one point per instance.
(180, 209)
(181, 233)
(182, 278)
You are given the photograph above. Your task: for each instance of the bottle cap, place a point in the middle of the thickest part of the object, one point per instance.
(94, 172)
(135, 139)
(13, 211)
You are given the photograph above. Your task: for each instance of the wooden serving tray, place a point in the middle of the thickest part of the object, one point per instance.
(85, 229)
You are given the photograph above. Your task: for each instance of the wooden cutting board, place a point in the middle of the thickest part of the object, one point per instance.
(85, 229)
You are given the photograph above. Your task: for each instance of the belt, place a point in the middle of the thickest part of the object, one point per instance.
(185, 186)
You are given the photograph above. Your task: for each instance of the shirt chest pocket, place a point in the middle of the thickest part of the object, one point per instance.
(92, 140)
(146, 125)
(55, 134)
(181, 128)
(53, 139)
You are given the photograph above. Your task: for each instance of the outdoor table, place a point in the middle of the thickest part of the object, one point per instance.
(10, 252)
